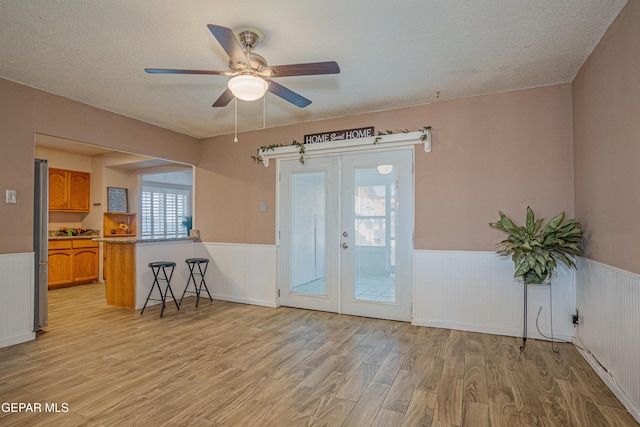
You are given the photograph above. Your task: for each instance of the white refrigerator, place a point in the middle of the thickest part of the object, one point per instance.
(41, 244)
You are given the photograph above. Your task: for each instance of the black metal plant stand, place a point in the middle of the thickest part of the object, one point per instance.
(524, 326)
(524, 322)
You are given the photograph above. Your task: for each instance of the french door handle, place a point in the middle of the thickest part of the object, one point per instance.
(344, 246)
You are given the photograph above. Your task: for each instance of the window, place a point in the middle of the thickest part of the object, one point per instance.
(163, 208)
(371, 215)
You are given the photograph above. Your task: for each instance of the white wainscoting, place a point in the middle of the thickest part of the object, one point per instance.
(16, 301)
(241, 272)
(608, 300)
(476, 291)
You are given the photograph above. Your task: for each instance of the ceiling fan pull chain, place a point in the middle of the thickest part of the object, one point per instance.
(235, 134)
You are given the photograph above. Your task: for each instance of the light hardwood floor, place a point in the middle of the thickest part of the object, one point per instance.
(226, 364)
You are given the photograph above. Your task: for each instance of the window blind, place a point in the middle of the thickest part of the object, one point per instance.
(163, 209)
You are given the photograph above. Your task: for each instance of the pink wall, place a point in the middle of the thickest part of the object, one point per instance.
(25, 111)
(606, 111)
(503, 151)
(16, 173)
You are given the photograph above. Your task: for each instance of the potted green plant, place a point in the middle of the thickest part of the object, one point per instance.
(187, 223)
(536, 250)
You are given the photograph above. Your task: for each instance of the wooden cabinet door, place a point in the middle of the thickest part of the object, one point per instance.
(72, 261)
(60, 267)
(69, 191)
(85, 265)
(121, 285)
(79, 191)
(58, 189)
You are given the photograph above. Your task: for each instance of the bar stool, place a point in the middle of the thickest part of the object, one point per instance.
(156, 268)
(192, 263)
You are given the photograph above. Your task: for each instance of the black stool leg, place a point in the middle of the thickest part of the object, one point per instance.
(191, 266)
(202, 282)
(196, 286)
(167, 289)
(153, 285)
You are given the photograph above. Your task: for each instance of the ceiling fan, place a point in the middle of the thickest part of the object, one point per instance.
(251, 76)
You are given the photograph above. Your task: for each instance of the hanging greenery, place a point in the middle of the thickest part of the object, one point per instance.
(264, 148)
(423, 137)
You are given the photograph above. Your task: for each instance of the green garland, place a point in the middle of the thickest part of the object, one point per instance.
(264, 148)
(423, 137)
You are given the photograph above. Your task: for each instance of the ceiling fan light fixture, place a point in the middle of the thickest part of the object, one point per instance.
(247, 87)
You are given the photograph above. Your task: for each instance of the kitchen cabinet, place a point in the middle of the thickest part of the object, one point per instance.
(69, 191)
(117, 224)
(85, 261)
(60, 259)
(72, 262)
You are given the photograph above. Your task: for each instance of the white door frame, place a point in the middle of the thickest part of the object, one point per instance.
(286, 170)
(315, 163)
(401, 309)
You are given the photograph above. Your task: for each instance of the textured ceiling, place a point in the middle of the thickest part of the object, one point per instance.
(391, 53)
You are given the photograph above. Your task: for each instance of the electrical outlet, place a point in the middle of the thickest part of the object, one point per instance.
(575, 318)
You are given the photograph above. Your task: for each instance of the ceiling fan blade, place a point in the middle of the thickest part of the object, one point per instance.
(308, 69)
(287, 94)
(177, 71)
(230, 44)
(224, 99)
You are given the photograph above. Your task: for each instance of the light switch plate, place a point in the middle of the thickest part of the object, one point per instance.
(11, 196)
(263, 206)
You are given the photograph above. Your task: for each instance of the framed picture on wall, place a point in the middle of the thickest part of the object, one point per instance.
(118, 199)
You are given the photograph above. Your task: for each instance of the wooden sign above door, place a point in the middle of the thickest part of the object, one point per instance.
(339, 135)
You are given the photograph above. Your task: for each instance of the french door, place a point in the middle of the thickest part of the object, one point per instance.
(346, 234)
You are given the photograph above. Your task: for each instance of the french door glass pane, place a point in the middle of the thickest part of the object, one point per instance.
(375, 233)
(308, 220)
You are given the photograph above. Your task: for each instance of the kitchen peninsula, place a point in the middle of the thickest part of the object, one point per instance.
(128, 277)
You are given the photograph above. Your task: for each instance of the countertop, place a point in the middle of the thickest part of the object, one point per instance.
(71, 237)
(142, 239)
(77, 237)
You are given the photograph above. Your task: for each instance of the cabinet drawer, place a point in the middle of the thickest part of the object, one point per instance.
(59, 244)
(84, 243)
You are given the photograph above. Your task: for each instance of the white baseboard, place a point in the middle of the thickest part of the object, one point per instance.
(509, 332)
(7, 341)
(243, 300)
(607, 379)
